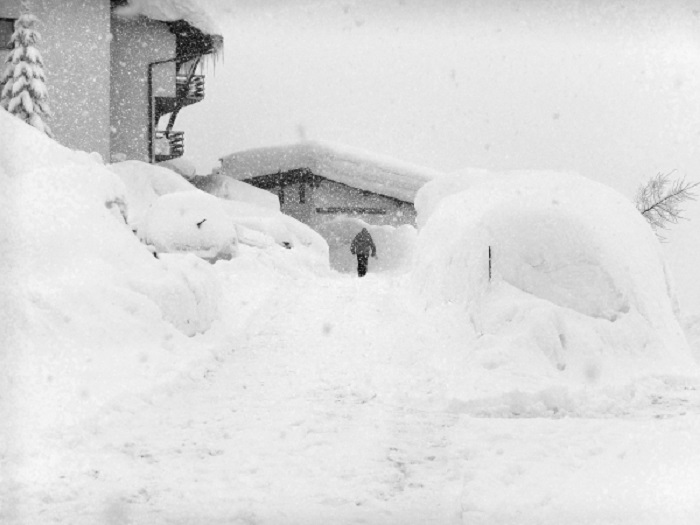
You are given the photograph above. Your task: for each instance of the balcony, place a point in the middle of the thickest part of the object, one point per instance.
(168, 145)
(192, 91)
(186, 93)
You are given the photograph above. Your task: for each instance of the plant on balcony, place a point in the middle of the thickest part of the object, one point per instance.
(24, 92)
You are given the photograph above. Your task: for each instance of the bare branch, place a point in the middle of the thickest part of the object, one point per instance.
(660, 200)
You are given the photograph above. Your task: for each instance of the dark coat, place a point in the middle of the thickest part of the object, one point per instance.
(362, 244)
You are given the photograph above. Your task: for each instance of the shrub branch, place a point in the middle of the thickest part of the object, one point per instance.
(660, 200)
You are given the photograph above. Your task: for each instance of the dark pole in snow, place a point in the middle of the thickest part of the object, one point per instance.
(489, 263)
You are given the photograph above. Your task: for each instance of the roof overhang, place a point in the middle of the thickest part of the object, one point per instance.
(197, 32)
(352, 167)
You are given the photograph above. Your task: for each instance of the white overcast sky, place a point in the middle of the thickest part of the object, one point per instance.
(607, 89)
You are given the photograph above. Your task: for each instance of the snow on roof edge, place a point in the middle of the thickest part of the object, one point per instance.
(191, 11)
(348, 165)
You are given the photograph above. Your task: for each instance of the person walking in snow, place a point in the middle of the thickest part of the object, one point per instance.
(361, 246)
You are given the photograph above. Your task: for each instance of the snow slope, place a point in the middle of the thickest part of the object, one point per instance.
(88, 314)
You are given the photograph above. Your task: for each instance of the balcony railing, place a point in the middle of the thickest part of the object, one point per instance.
(168, 145)
(186, 93)
(192, 90)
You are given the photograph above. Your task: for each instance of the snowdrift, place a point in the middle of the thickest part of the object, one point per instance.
(682, 251)
(235, 190)
(173, 216)
(87, 312)
(560, 278)
(144, 183)
(190, 222)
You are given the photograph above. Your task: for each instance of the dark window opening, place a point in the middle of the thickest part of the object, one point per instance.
(362, 211)
(7, 27)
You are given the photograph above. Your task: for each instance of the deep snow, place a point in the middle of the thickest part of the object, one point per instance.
(267, 389)
(329, 401)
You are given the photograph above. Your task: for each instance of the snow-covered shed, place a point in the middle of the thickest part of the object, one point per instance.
(115, 67)
(317, 182)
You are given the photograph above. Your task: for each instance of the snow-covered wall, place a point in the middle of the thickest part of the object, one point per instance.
(76, 50)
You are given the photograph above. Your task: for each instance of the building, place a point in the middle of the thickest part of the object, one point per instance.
(119, 73)
(319, 182)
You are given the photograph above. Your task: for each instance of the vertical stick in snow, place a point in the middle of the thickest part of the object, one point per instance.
(489, 263)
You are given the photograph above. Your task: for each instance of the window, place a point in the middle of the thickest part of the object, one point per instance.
(302, 193)
(351, 211)
(7, 27)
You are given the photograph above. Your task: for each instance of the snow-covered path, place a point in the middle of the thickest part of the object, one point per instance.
(321, 408)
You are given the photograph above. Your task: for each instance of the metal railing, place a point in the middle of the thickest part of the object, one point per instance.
(169, 145)
(195, 88)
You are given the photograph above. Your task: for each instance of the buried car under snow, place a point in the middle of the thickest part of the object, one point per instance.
(189, 221)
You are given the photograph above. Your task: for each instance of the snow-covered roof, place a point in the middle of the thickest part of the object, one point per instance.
(191, 11)
(354, 167)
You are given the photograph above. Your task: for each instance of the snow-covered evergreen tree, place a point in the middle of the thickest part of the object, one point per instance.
(24, 92)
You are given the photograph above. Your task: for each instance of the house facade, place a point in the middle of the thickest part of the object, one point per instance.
(315, 200)
(117, 77)
(318, 183)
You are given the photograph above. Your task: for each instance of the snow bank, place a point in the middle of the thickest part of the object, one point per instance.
(427, 201)
(394, 245)
(190, 222)
(144, 183)
(181, 166)
(351, 166)
(172, 215)
(235, 190)
(682, 251)
(87, 312)
(261, 227)
(579, 291)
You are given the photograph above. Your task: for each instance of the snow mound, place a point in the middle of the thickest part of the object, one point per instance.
(167, 212)
(427, 201)
(263, 227)
(190, 222)
(181, 166)
(351, 166)
(81, 298)
(559, 276)
(394, 245)
(231, 189)
(144, 183)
